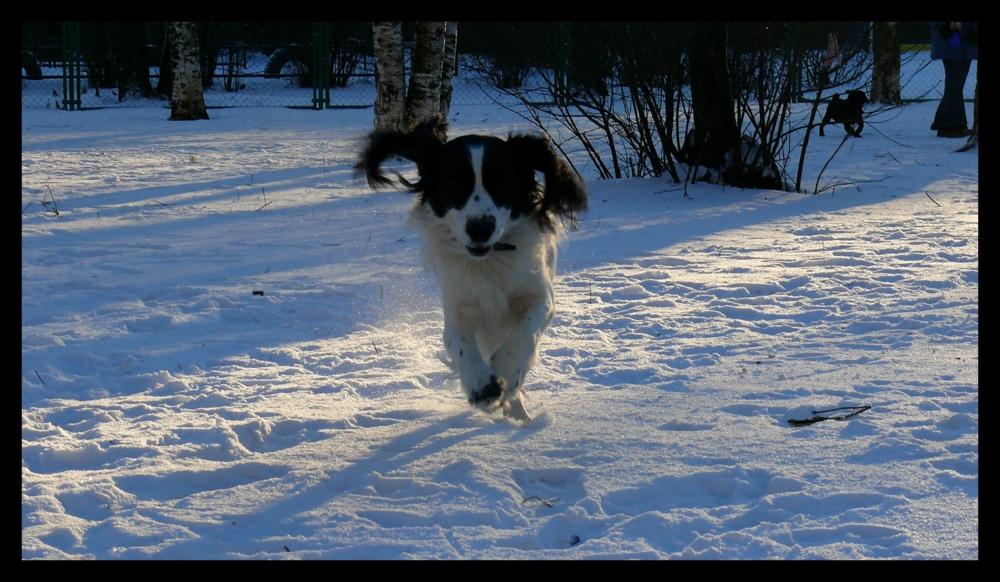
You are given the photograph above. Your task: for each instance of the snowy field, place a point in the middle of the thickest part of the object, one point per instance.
(168, 412)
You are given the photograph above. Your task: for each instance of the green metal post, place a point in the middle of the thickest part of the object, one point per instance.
(71, 66)
(321, 65)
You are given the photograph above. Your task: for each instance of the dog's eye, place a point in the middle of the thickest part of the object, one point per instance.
(458, 190)
(498, 184)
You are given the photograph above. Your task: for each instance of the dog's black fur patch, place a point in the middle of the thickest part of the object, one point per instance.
(846, 111)
(510, 165)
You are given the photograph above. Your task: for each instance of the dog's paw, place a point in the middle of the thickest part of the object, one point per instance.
(514, 410)
(488, 397)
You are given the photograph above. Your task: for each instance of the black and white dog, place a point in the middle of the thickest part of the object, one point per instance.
(489, 234)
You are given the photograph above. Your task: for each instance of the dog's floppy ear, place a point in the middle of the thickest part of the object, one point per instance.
(565, 193)
(421, 145)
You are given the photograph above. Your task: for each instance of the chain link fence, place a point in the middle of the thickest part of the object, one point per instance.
(247, 86)
(65, 67)
(60, 68)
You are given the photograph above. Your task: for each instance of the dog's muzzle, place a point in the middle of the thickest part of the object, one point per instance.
(480, 229)
(482, 251)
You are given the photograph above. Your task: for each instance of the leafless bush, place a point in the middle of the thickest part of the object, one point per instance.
(622, 91)
(613, 87)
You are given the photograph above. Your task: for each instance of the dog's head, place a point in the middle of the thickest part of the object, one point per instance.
(857, 98)
(480, 185)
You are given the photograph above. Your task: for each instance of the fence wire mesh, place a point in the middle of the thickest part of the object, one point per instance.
(265, 76)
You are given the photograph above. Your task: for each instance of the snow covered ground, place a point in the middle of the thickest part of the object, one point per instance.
(168, 412)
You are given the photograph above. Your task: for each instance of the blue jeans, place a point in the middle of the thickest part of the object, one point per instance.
(951, 110)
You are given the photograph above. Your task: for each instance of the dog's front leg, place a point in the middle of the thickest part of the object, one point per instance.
(479, 382)
(512, 360)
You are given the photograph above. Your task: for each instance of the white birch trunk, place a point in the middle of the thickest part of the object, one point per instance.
(187, 99)
(423, 97)
(449, 66)
(390, 75)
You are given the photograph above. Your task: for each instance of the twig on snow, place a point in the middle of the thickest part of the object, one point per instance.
(55, 207)
(842, 142)
(266, 203)
(545, 501)
(839, 184)
(932, 200)
(857, 410)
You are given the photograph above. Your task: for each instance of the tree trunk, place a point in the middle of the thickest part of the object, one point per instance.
(209, 34)
(164, 85)
(711, 97)
(132, 73)
(390, 76)
(885, 74)
(187, 101)
(423, 97)
(449, 66)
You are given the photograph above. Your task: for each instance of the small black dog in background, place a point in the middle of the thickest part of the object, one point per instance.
(847, 111)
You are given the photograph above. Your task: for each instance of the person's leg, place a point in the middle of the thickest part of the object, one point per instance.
(951, 110)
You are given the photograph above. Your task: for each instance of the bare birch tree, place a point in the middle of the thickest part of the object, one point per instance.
(187, 100)
(390, 80)
(423, 96)
(433, 63)
(449, 66)
(886, 57)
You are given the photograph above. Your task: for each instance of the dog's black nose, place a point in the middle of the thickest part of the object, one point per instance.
(480, 229)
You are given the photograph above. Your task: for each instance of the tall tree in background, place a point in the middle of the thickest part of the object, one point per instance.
(187, 100)
(449, 66)
(390, 80)
(433, 65)
(885, 74)
(423, 96)
(115, 54)
(133, 62)
(711, 96)
(165, 83)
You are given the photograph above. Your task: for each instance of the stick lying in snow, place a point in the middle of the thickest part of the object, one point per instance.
(545, 501)
(857, 410)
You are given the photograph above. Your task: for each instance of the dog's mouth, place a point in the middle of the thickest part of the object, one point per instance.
(483, 250)
(479, 250)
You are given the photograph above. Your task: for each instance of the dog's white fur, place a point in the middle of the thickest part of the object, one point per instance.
(489, 237)
(497, 307)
